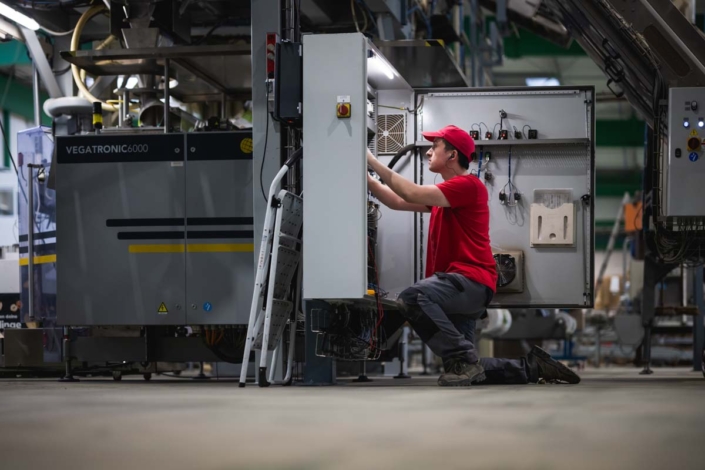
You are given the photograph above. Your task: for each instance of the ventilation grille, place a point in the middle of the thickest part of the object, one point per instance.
(371, 140)
(391, 133)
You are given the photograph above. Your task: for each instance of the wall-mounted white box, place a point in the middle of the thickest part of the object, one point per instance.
(553, 227)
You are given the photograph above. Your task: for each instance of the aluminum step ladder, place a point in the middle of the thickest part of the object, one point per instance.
(279, 260)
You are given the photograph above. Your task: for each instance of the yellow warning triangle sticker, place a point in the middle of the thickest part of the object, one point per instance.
(162, 308)
(693, 133)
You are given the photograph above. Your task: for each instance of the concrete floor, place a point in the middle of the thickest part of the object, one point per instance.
(615, 419)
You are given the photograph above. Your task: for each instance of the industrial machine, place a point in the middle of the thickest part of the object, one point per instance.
(157, 208)
(541, 232)
(137, 207)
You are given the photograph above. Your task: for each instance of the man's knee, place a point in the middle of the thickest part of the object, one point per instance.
(408, 303)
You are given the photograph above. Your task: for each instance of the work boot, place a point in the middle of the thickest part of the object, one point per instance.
(459, 373)
(543, 366)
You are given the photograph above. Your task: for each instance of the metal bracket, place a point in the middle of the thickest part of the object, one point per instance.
(40, 61)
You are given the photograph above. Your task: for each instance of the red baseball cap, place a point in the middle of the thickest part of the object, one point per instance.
(456, 137)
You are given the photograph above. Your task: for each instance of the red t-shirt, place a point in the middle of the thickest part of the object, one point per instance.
(459, 235)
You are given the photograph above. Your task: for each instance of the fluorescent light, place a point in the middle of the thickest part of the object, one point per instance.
(17, 17)
(542, 81)
(383, 67)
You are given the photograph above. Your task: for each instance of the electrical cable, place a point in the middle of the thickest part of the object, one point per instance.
(56, 33)
(512, 188)
(481, 124)
(62, 71)
(85, 17)
(479, 164)
(367, 11)
(397, 156)
(264, 153)
(208, 34)
(354, 15)
(523, 130)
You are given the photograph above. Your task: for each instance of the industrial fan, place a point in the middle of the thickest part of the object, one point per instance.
(510, 268)
(391, 133)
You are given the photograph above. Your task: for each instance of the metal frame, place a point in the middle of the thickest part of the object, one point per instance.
(698, 321)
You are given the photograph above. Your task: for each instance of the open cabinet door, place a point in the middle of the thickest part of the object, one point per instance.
(537, 164)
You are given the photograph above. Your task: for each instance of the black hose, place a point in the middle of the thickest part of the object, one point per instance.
(294, 157)
(399, 154)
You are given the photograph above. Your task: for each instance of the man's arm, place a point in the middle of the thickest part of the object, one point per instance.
(387, 197)
(409, 192)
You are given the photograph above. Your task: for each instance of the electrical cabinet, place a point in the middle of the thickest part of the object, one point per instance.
(341, 74)
(685, 171)
(543, 164)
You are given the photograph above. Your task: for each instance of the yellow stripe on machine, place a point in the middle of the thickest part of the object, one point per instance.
(156, 248)
(221, 248)
(39, 260)
(166, 248)
(194, 248)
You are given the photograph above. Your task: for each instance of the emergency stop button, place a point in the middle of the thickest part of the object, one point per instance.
(693, 143)
(343, 108)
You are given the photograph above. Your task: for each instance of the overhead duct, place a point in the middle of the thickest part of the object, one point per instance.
(641, 50)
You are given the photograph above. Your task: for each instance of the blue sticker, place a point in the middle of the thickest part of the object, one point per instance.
(693, 157)
(207, 307)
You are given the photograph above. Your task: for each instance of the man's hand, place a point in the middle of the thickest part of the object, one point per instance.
(370, 158)
(387, 197)
(409, 192)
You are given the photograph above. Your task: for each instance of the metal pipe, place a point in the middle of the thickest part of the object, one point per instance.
(457, 11)
(223, 106)
(36, 95)
(698, 321)
(167, 96)
(30, 238)
(125, 106)
(121, 112)
(292, 21)
(473, 41)
(461, 32)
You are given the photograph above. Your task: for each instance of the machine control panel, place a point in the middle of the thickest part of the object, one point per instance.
(686, 156)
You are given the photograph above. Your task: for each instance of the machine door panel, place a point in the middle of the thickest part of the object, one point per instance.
(120, 230)
(542, 163)
(220, 239)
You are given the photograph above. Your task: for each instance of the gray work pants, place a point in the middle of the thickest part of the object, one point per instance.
(443, 310)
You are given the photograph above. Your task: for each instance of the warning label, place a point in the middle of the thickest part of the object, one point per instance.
(246, 145)
(693, 133)
(162, 309)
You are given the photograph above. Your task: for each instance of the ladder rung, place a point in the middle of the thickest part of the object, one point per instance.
(284, 236)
